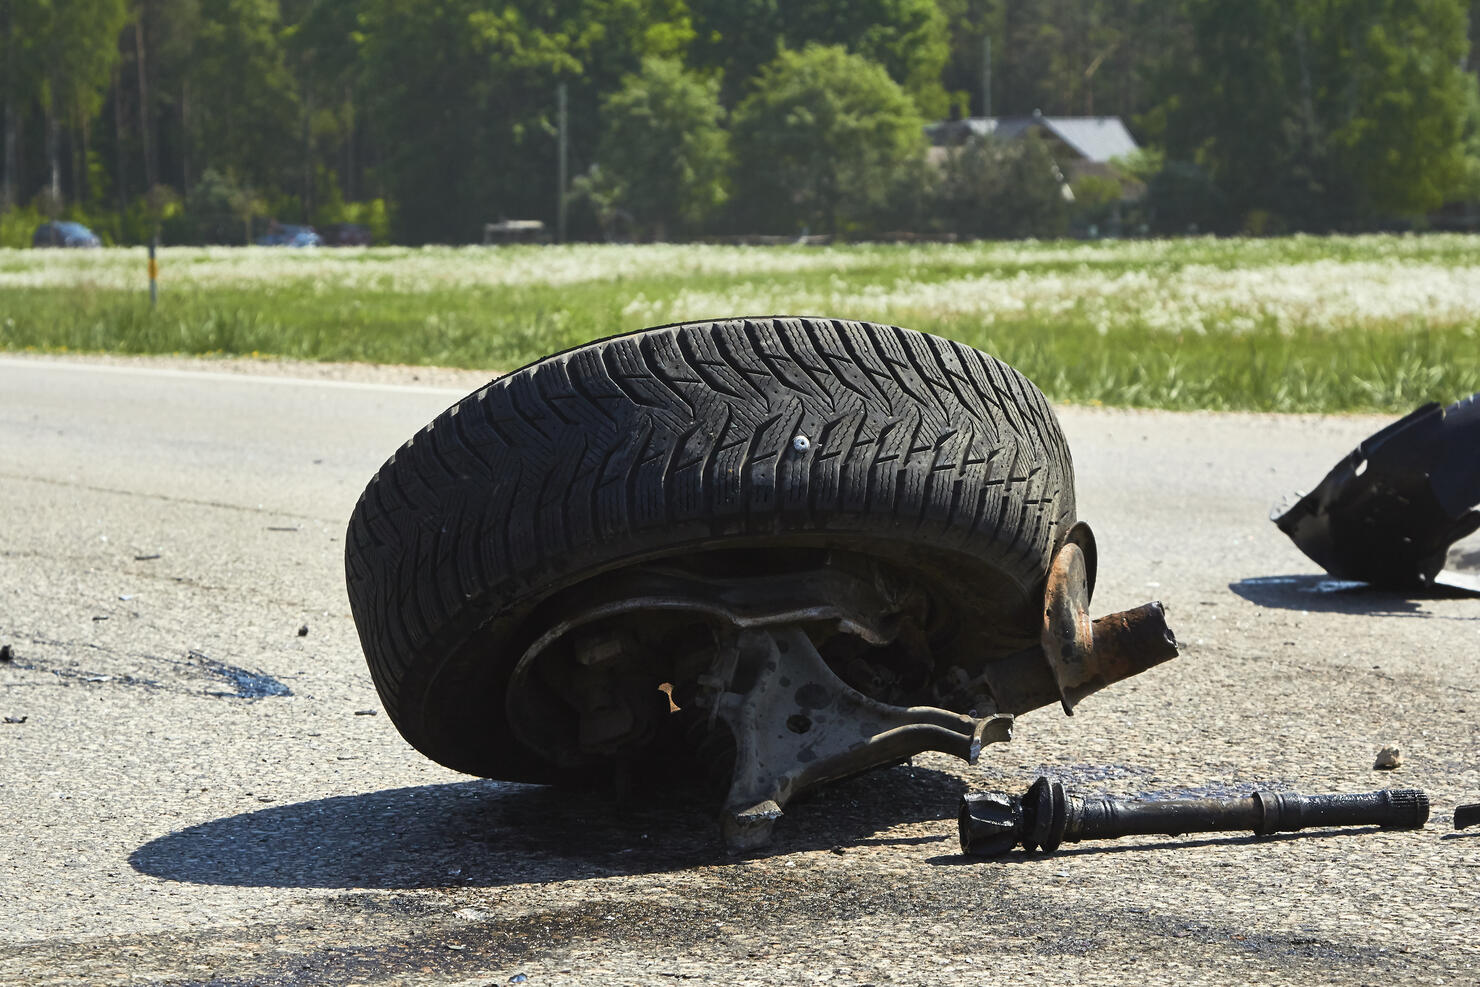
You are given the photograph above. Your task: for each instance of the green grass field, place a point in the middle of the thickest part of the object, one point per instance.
(1296, 324)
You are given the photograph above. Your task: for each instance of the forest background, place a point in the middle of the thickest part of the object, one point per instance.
(200, 120)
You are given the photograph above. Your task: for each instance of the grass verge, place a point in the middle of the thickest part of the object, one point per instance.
(1298, 324)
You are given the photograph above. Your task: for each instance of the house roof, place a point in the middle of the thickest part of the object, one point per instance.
(1092, 138)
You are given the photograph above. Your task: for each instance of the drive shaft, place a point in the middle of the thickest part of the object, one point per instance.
(992, 823)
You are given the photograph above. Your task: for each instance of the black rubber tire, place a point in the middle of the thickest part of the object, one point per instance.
(682, 439)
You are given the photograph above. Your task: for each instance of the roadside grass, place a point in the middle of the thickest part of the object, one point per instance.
(1294, 324)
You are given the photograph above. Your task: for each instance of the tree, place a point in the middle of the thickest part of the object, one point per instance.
(149, 142)
(463, 97)
(245, 103)
(735, 37)
(1003, 188)
(1403, 143)
(663, 155)
(21, 32)
(320, 39)
(1469, 187)
(64, 56)
(1064, 57)
(1322, 112)
(909, 38)
(819, 140)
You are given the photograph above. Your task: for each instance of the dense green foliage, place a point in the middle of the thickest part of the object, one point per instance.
(1003, 190)
(908, 37)
(1064, 57)
(1325, 112)
(819, 138)
(204, 119)
(1284, 324)
(663, 155)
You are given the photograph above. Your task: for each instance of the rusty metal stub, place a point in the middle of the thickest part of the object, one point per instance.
(1068, 636)
(1087, 655)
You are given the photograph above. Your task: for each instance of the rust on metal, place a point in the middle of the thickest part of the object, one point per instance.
(1076, 656)
(1085, 655)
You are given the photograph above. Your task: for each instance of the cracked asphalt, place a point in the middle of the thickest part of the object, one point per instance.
(197, 786)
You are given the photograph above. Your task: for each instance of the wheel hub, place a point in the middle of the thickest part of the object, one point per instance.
(760, 655)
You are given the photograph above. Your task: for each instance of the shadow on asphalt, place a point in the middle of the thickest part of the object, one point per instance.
(491, 834)
(1122, 846)
(1327, 594)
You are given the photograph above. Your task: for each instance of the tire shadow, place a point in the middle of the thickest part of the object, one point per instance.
(492, 834)
(1326, 594)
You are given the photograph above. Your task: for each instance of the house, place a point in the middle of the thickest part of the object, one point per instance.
(1079, 145)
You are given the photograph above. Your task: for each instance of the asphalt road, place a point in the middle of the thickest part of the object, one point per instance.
(197, 787)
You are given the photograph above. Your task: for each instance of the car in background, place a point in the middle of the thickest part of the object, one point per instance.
(289, 235)
(64, 233)
(346, 235)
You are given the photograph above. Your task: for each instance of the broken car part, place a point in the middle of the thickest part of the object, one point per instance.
(759, 669)
(992, 823)
(1388, 512)
(1466, 815)
(764, 553)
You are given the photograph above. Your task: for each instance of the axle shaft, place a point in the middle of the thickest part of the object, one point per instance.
(1045, 817)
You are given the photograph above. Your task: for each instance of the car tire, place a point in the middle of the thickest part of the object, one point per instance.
(769, 434)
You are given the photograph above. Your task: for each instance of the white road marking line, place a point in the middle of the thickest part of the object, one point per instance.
(354, 385)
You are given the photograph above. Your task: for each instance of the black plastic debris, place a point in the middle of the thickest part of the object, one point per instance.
(6, 655)
(16, 719)
(1389, 511)
(303, 631)
(1466, 815)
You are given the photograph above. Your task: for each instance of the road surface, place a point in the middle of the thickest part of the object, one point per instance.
(198, 788)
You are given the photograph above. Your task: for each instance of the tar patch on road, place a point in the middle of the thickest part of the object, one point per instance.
(195, 674)
(246, 684)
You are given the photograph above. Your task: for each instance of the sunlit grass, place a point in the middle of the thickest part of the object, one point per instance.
(1293, 324)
